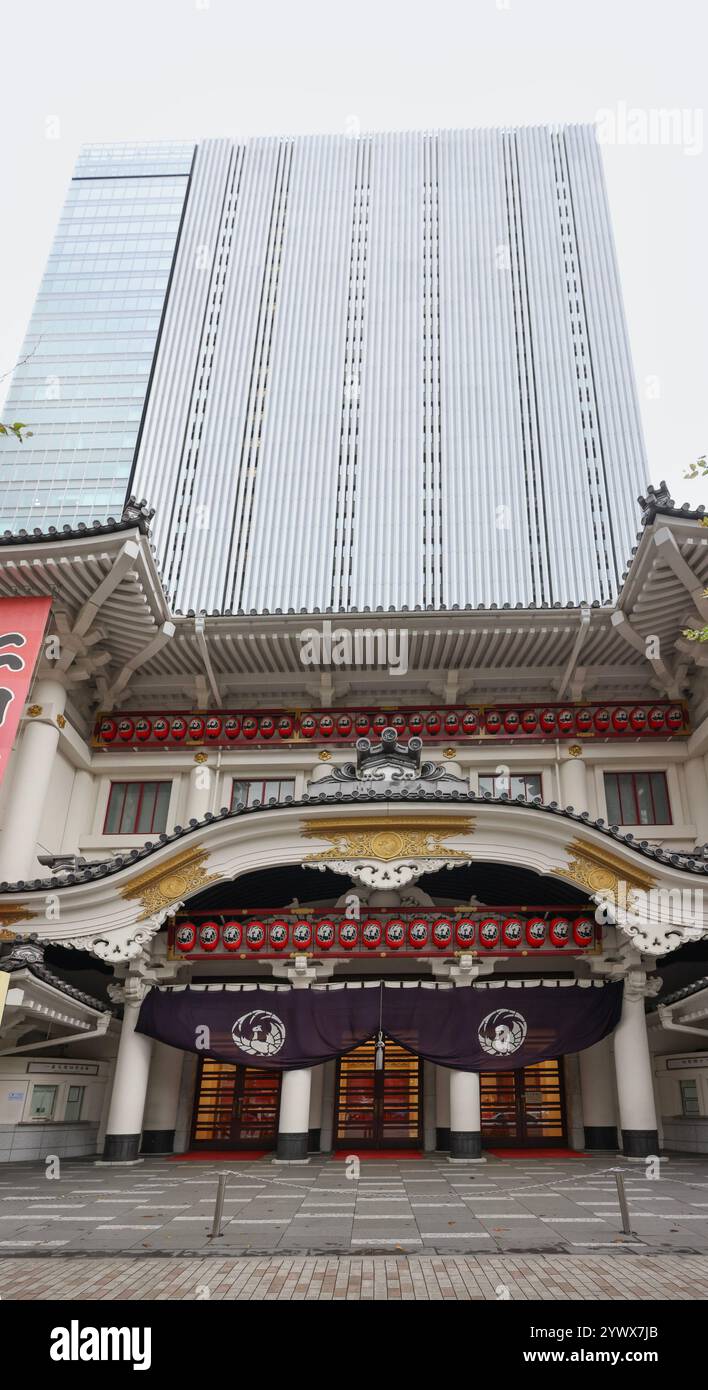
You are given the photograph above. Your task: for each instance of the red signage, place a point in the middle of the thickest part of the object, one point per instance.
(22, 624)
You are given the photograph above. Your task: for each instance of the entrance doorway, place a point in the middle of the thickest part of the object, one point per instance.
(524, 1108)
(379, 1109)
(235, 1107)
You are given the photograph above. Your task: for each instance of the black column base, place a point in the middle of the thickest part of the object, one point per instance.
(292, 1145)
(601, 1137)
(313, 1141)
(442, 1139)
(158, 1141)
(639, 1143)
(121, 1148)
(465, 1143)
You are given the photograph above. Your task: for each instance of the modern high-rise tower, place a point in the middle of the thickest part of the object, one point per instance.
(390, 370)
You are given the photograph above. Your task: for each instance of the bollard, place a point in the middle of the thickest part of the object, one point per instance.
(622, 1195)
(218, 1207)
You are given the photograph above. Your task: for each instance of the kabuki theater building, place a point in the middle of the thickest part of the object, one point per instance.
(354, 785)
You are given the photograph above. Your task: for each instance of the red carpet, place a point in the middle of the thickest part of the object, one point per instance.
(537, 1153)
(240, 1156)
(343, 1154)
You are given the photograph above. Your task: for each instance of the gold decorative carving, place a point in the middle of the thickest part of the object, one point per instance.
(34, 711)
(575, 750)
(172, 881)
(61, 721)
(599, 871)
(10, 914)
(449, 752)
(201, 757)
(388, 837)
(325, 755)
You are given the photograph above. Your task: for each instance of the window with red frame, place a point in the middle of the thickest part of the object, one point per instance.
(637, 798)
(137, 808)
(248, 792)
(526, 784)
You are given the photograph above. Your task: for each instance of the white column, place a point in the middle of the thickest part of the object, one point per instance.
(597, 1086)
(314, 1123)
(697, 788)
(574, 783)
(160, 1119)
(34, 763)
(465, 1120)
(635, 1086)
(80, 814)
(200, 789)
(130, 1080)
(442, 1108)
(294, 1114)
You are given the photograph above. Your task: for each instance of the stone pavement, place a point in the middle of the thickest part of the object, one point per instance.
(416, 1207)
(550, 1278)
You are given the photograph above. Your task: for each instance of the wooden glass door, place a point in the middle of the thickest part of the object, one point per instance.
(379, 1109)
(524, 1108)
(236, 1107)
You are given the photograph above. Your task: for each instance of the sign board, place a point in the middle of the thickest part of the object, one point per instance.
(22, 624)
(681, 1063)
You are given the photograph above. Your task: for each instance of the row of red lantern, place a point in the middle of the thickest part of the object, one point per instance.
(394, 933)
(546, 721)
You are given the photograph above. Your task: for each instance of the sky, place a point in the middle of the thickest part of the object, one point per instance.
(77, 71)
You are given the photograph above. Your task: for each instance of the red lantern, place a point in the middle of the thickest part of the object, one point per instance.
(656, 719)
(345, 724)
(209, 936)
(433, 723)
(442, 933)
(324, 935)
(620, 721)
(178, 728)
(566, 721)
(108, 730)
(602, 720)
(398, 722)
(452, 723)
(583, 720)
(638, 719)
(535, 932)
(512, 722)
(160, 729)
(326, 726)
(380, 723)
(255, 936)
(308, 726)
(362, 724)
(418, 933)
(195, 728)
(469, 723)
(464, 931)
(278, 936)
(583, 931)
(232, 936)
(302, 936)
(674, 718)
(489, 933)
(493, 721)
(232, 728)
(186, 936)
(249, 727)
(395, 934)
(143, 729)
(547, 720)
(213, 727)
(125, 729)
(559, 931)
(371, 934)
(286, 726)
(415, 724)
(529, 721)
(512, 932)
(266, 727)
(348, 934)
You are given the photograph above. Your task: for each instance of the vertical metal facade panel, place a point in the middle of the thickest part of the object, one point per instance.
(292, 530)
(615, 387)
(387, 558)
(159, 474)
(486, 555)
